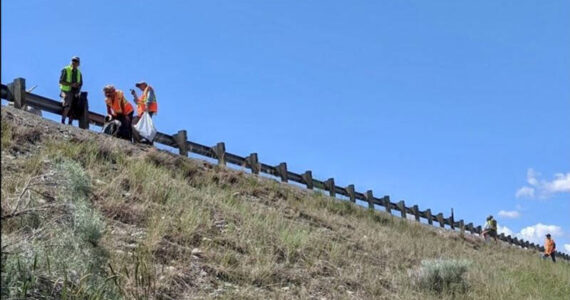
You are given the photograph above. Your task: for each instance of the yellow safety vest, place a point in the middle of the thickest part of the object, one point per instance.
(69, 71)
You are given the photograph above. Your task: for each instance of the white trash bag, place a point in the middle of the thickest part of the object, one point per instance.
(145, 127)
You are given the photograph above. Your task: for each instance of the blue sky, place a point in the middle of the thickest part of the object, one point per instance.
(445, 104)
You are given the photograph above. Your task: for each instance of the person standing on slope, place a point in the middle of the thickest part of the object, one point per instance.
(146, 103)
(549, 248)
(70, 83)
(490, 228)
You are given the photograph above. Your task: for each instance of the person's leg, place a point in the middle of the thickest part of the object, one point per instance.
(129, 127)
(66, 104)
(553, 255)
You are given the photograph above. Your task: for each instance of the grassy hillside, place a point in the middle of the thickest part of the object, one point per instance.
(86, 216)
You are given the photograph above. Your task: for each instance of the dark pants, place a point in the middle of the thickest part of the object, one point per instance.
(70, 104)
(125, 131)
(552, 255)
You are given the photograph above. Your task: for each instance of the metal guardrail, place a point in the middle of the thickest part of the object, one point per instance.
(16, 92)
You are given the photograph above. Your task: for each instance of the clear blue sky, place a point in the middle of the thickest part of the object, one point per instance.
(462, 104)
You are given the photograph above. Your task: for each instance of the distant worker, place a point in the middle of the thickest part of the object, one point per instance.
(549, 248)
(70, 82)
(118, 108)
(146, 103)
(490, 228)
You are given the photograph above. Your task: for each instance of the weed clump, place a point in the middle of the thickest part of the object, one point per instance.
(442, 276)
(61, 256)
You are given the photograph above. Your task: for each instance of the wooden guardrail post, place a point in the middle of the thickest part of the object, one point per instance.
(220, 152)
(402, 207)
(308, 179)
(462, 226)
(253, 163)
(452, 220)
(516, 241)
(19, 92)
(84, 118)
(469, 227)
(416, 211)
(180, 139)
(350, 191)
(428, 216)
(282, 171)
(501, 236)
(387, 205)
(439, 218)
(329, 185)
(370, 199)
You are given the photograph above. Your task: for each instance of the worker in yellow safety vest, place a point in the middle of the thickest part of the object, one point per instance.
(490, 228)
(70, 82)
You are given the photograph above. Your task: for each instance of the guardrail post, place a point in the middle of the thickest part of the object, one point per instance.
(469, 227)
(428, 216)
(180, 139)
(452, 220)
(501, 236)
(220, 152)
(308, 179)
(19, 93)
(84, 118)
(329, 185)
(402, 207)
(439, 218)
(387, 205)
(370, 198)
(282, 171)
(350, 191)
(416, 211)
(253, 163)
(462, 226)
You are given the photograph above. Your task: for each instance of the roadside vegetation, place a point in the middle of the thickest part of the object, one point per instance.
(85, 216)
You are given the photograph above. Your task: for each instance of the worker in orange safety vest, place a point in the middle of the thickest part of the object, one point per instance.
(549, 248)
(118, 108)
(145, 103)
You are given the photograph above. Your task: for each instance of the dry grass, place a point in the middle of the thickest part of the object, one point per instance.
(176, 228)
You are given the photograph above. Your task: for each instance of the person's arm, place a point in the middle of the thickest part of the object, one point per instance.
(135, 98)
(62, 78)
(80, 83)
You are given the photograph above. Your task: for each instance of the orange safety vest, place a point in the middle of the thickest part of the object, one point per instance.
(119, 105)
(142, 101)
(548, 246)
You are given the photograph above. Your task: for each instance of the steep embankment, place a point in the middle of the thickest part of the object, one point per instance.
(88, 216)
